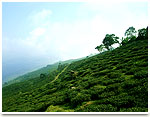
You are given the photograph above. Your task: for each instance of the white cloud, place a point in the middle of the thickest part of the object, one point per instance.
(49, 40)
(75, 39)
(78, 38)
(37, 32)
(40, 18)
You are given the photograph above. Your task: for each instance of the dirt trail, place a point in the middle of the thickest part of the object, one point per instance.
(60, 73)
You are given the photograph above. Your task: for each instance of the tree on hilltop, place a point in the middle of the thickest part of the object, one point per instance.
(143, 33)
(130, 33)
(100, 48)
(109, 40)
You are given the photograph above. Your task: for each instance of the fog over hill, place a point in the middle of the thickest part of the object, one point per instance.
(16, 68)
(37, 34)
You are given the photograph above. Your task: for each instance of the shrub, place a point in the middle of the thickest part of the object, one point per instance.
(114, 75)
(133, 70)
(107, 94)
(121, 100)
(84, 84)
(56, 109)
(142, 63)
(101, 73)
(79, 98)
(128, 84)
(141, 74)
(98, 108)
(42, 75)
(40, 107)
(96, 90)
(134, 109)
(119, 66)
(113, 87)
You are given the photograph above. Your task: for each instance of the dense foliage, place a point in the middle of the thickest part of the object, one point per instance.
(130, 35)
(113, 81)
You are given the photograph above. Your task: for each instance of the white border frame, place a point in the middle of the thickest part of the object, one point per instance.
(68, 113)
(78, 113)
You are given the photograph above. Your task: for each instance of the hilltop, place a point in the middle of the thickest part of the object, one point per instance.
(112, 81)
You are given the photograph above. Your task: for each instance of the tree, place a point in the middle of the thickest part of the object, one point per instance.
(130, 32)
(100, 48)
(42, 75)
(124, 41)
(109, 40)
(143, 33)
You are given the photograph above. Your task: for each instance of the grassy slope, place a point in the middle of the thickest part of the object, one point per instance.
(109, 82)
(36, 73)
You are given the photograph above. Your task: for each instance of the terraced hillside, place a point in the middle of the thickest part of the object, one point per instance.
(113, 81)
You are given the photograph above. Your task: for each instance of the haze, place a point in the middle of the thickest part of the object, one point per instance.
(37, 34)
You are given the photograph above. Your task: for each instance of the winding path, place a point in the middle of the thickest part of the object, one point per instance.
(60, 73)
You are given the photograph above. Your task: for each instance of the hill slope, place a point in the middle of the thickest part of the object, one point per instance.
(44, 70)
(114, 81)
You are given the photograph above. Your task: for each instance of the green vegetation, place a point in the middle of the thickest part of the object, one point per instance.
(109, 40)
(45, 70)
(31, 75)
(112, 81)
(130, 35)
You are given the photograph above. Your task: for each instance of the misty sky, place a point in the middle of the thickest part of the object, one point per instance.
(37, 34)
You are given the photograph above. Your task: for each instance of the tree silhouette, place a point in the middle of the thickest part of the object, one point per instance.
(109, 40)
(124, 41)
(130, 32)
(100, 48)
(130, 35)
(143, 33)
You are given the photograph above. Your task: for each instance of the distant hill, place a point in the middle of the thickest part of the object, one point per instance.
(113, 81)
(36, 73)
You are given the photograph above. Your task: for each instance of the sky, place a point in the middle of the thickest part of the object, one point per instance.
(36, 34)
